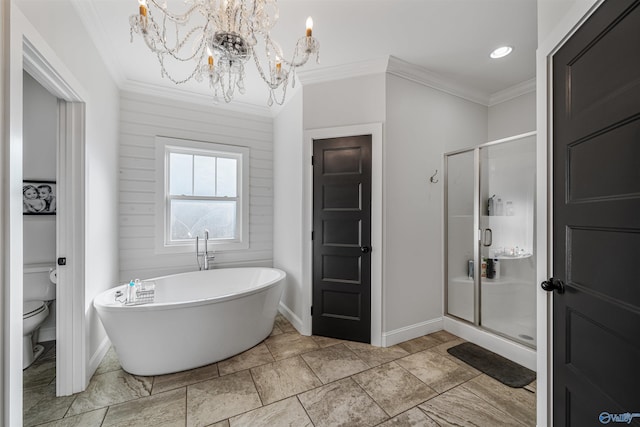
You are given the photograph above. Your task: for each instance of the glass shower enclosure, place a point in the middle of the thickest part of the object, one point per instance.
(490, 237)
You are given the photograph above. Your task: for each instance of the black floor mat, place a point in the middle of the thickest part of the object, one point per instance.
(494, 365)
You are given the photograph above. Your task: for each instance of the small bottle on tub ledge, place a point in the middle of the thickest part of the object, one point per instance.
(131, 293)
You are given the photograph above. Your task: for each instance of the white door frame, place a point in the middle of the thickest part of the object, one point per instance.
(30, 52)
(4, 251)
(574, 18)
(377, 229)
(70, 348)
(71, 366)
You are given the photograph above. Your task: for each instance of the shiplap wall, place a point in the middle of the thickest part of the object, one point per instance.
(142, 118)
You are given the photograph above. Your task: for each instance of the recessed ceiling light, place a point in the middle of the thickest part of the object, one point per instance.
(500, 52)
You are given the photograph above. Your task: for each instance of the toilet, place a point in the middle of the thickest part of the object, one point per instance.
(39, 291)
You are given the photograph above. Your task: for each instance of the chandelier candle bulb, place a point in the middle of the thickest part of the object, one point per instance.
(309, 26)
(143, 8)
(210, 58)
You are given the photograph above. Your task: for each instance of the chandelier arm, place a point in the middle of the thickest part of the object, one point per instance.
(295, 64)
(305, 47)
(151, 41)
(268, 81)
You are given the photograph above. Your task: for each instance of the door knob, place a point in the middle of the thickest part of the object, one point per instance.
(365, 249)
(552, 284)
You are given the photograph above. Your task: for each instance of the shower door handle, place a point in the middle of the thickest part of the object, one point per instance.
(487, 237)
(553, 285)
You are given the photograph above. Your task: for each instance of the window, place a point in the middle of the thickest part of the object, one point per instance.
(204, 187)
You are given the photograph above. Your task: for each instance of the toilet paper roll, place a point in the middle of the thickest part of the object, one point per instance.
(53, 275)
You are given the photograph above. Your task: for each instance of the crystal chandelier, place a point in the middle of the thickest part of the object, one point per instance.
(222, 37)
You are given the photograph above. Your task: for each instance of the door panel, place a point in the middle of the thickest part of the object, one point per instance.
(596, 220)
(342, 237)
(590, 178)
(508, 287)
(462, 243)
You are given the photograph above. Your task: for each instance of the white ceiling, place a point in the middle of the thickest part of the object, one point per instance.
(450, 38)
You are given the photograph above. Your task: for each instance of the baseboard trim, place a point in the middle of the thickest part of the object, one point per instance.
(410, 332)
(518, 353)
(292, 318)
(47, 334)
(97, 357)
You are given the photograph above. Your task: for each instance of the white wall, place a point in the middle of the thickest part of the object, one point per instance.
(73, 47)
(142, 118)
(550, 13)
(39, 147)
(320, 105)
(288, 167)
(512, 117)
(422, 124)
(344, 102)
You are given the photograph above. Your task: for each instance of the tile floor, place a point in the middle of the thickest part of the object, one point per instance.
(290, 380)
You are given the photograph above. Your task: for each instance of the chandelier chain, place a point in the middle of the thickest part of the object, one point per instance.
(179, 44)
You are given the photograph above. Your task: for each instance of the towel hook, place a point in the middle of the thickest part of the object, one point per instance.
(433, 177)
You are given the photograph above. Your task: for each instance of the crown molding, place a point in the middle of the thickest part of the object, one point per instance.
(396, 67)
(512, 92)
(340, 72)
(93, 27)
(193, 98)
(420, 75)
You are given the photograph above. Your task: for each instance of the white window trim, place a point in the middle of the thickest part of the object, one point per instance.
(162, 184)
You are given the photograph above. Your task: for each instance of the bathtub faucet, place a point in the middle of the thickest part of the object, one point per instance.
(207, 258)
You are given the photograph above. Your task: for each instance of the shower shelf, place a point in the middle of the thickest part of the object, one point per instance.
(514, 256)
(464, 280)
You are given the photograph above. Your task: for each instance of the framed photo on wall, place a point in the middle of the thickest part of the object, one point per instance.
(39, 197)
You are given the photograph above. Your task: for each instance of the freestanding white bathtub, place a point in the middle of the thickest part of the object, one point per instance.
(196, 318)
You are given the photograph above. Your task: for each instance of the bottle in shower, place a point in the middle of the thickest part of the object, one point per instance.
(499, 207)
(491, 205)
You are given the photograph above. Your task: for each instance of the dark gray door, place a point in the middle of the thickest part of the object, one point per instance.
(596, 220)
(342, 238)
